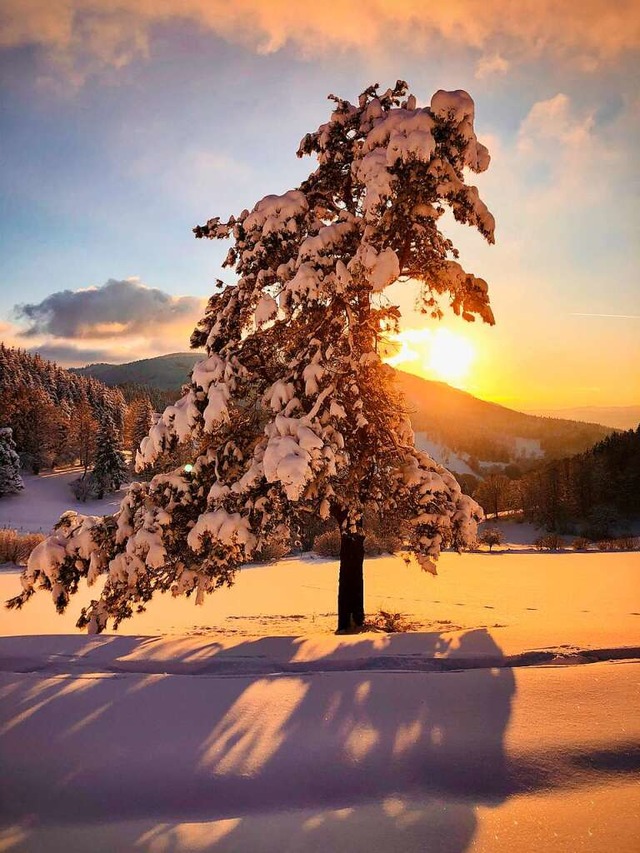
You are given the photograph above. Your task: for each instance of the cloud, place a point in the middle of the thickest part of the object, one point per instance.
(69, 355)
(565, 159)
(490, 65)
(117, 309)
(608, 316)
(551, 122)
(10, 334)
(84, 36)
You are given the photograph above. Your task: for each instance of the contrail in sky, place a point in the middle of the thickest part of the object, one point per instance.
(618, 316)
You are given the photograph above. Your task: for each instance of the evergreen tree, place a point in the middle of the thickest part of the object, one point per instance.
(109, 467)
(10, 479)
(142, 422)
(495, 493)
(83, 433)
(293, 413)
(30, 417)
(596, 491)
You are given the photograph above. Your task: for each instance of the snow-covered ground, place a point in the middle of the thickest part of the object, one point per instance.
(508, 722)
(45, 497)
(443, 454)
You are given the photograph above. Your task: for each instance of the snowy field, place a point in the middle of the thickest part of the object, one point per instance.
(508, 721)
(39, 505)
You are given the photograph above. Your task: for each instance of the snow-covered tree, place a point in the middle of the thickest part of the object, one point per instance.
(10, 479)
(109, 465)
(293, 413)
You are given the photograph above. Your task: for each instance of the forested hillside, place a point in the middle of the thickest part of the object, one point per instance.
(488, 431)
(596, 493)
(165, 372)
(49, 409)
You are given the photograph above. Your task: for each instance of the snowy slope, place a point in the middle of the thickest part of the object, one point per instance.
(527, 600)
(443, 454)
(123, 755)
(361, 760)
(45, 497)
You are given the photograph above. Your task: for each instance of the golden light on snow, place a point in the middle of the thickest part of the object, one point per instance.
(440, 354)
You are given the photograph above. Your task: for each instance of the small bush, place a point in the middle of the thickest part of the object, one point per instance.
(16, 547)
(390, 623)
(628, 543)
(581, 543)
(623, 543)
(83, 488)
(491, 536)
(548, 542)
(271, 552)
(327, 544)
(376, 544)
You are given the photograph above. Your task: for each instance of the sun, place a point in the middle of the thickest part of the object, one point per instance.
(451, 356)
(439, 354)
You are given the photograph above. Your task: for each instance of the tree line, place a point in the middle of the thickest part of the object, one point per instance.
(595, 493)
(58, 418)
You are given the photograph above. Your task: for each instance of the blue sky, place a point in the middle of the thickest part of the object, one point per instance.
(123, 126)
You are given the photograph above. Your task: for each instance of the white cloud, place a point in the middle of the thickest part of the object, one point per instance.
(553, 122)
(488, 66)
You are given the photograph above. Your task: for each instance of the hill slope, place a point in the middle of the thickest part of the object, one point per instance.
(165, 372)
(444, 417)
(617, 417)
(488, 431)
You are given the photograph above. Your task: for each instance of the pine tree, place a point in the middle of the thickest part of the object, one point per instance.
(30, 417)
(10, 479)
(143, 419)
(293, 413)
(109, 467)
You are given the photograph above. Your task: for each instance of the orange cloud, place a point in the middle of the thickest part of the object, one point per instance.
(91, 34)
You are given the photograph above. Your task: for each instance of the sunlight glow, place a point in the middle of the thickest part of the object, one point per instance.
(440, 354)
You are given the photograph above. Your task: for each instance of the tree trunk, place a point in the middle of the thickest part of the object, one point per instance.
(351, 582)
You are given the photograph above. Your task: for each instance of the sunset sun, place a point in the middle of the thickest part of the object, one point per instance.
(441, 354)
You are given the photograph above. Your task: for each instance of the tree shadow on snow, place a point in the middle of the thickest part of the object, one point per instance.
(284, 749)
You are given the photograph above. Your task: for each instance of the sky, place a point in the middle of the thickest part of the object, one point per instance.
(125, 123)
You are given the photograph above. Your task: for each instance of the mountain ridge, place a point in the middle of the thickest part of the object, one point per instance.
(617, 417)
(478, 430)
